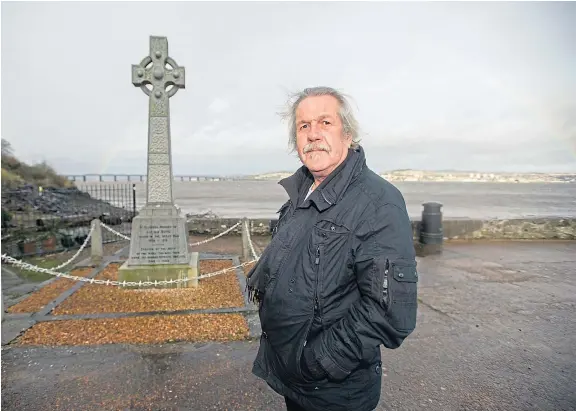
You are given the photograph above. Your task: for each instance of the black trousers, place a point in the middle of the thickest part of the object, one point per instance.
(292, 406)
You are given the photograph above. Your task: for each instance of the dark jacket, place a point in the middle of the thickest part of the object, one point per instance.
(337, 280)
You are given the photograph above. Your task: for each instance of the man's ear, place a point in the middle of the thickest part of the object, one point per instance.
(348, 139)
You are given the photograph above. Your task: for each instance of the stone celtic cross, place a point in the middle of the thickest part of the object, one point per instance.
(159, 249)
(152, 72)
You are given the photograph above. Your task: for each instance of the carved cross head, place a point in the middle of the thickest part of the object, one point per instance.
(152, 70)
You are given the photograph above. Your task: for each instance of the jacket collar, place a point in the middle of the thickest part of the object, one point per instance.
(331, 190)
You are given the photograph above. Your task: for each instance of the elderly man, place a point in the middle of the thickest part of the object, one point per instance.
(338, 279)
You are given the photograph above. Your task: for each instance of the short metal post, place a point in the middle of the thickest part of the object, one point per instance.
(96, 251)
(431, 231)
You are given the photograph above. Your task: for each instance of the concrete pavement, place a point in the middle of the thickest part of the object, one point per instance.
(496, 331)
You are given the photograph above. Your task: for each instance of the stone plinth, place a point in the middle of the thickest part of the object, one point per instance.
(159, 236)
(159, 248)
(163, 272)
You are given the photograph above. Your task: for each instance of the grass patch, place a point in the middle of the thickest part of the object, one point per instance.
(40, 261)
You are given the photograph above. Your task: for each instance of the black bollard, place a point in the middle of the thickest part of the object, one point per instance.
(431, 232)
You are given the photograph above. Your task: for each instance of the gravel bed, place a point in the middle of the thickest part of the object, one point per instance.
(138, 330)
(37, 300)
(222, 291)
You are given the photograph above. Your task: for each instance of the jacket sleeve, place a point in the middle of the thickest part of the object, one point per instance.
(387, 279)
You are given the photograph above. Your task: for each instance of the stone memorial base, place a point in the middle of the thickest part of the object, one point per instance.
(159, 248)
(159, 236)
(162, 272)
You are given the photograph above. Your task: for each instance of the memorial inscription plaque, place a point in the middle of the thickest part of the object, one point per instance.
(159, 241)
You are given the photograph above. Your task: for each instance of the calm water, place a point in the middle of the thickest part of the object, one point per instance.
(261, 199)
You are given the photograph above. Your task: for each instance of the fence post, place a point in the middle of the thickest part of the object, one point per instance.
(245, 246)
(96, 252)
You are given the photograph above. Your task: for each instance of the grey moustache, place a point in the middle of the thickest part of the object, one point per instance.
(317, 147)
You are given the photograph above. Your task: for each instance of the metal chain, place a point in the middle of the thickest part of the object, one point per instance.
(64, 264)
(218, 236)
(30, 267)
(247, 228)
(215, 273)
(114, 231)
(193, 244)
(26, 266)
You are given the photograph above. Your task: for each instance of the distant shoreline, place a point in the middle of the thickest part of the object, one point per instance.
(393, 176)
(441, 181)
(177, 180)
(460, 176)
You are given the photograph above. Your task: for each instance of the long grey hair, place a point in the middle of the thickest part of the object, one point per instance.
(349, 122)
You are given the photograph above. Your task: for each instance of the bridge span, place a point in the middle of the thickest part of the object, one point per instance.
(142, 177)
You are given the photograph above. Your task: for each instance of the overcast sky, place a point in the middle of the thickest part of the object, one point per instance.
(471, 86)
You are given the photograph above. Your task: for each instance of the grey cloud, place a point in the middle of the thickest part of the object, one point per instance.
(483, 86)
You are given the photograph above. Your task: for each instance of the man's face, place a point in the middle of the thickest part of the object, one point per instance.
(320, 138)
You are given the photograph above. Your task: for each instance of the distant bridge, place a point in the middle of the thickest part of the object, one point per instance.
(142, 177)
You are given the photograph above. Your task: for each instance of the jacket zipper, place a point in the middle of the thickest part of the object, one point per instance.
(316, 304)
(317, 263)
(385, 284)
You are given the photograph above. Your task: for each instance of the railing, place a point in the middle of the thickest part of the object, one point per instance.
(37, 221)
(7, 259)
(142, 177)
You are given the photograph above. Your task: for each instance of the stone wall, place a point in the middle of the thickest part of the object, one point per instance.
(214, 226)
(513, 229)
(454, 229)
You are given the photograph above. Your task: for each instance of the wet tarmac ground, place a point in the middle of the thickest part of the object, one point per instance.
(496, 331)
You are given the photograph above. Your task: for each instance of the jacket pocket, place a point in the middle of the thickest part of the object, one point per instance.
(333, 239)
(400, 294)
